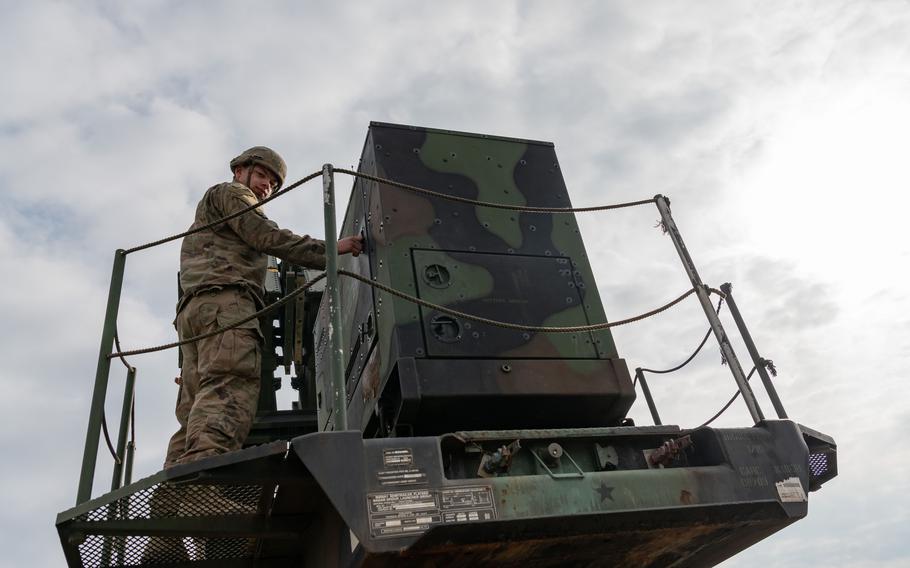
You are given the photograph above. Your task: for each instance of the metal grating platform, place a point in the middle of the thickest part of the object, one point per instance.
(215, 512)
(165, 501)
(114, 552)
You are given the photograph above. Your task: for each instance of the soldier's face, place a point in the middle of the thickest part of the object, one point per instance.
(261, 181)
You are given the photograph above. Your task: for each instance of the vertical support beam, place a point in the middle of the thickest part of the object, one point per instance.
(663, 205)
(727, 289)
(128, 390)
(640, 376)
(93, 435)
(339, 396)
(128, 470)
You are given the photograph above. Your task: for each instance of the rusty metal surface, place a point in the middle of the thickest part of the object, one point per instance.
(640, 543)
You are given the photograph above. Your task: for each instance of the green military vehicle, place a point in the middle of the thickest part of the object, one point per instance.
(460, 403)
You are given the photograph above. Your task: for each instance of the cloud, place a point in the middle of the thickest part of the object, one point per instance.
(777, 129)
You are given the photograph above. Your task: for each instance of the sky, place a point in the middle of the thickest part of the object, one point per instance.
(776, 128)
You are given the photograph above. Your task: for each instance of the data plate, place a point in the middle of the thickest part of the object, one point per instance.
(400, 513)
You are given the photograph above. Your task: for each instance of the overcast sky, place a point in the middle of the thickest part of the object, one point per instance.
(778, 129)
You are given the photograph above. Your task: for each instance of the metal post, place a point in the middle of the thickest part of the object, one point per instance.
(727, 289)
(640, 375)
(339, 396)
(128, 470)
(663, 205)
(93, 435)
(117, 477)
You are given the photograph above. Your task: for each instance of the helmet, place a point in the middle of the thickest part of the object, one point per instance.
(265, 157)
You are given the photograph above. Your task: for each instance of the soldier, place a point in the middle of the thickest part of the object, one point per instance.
(222, 271)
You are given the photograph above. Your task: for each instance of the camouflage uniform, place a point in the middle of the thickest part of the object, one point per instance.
(222, 271)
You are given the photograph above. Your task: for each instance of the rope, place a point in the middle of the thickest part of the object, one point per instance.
(225, 219)
(107, 438)
(720, 303)
(413, 188)
(506, 325)
(129, 367)
(265, 310)
(402, 295)
(724, 409)
(491, 204)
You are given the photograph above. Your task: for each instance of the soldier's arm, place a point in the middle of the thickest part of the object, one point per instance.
(264, 235)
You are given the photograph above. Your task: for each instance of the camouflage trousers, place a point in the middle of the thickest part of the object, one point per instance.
(219, 391)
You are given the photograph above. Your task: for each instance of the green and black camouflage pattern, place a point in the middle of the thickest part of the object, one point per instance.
(406, 363)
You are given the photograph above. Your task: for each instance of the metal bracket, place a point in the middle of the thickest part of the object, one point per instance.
(577, 474)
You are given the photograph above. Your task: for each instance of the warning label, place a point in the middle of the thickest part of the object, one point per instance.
(402, 457)
(398, 468)
(398, 513)
(790, 490)
(410, 476)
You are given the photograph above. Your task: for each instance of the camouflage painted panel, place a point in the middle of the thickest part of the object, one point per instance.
(489, 169)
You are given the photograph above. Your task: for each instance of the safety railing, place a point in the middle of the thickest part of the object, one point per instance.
(123, 455)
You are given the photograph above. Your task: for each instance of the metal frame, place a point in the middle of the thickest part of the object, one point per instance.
(93, 435)
(124, 453)
(727, 289)
(125, 412)
(702, 292)
(339, 394)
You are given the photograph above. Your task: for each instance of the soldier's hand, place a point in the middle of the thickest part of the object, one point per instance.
(353, 245)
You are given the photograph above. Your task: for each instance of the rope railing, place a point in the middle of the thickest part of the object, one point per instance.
(392, 183)
(119, 353)
(233, 215)
(442, 309)
(767, 363)
(491, 204)
(271, 307)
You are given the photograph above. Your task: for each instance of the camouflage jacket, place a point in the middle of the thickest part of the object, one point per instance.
(235, 252)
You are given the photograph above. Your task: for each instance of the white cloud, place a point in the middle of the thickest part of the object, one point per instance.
(777, 129)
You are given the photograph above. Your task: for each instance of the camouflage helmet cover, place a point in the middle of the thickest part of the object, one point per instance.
(265, 157)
